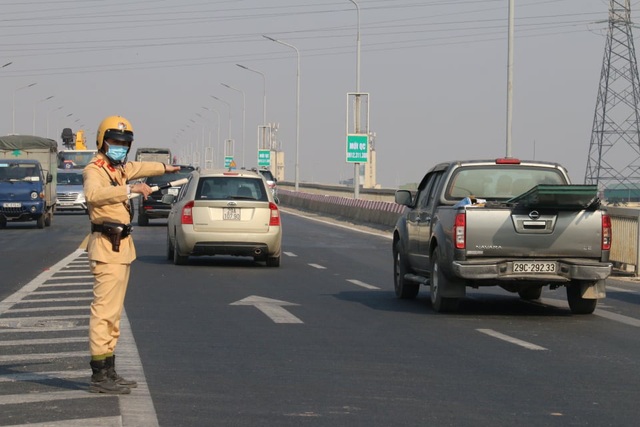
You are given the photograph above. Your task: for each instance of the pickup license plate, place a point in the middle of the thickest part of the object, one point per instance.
(535, 267)
(232, 214)
(12, 205)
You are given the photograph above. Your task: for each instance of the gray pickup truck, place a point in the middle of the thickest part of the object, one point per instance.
(505, 222)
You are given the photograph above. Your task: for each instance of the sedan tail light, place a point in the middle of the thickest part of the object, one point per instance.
(274, 220)
(187, 215)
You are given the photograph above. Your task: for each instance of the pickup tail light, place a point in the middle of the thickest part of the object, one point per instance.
(187, 213)
(606, 232)
(274, 219)
(460, 231)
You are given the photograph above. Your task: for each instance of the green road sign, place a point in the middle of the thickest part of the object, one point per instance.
(264, 158)
(229, 163)
(357, 148)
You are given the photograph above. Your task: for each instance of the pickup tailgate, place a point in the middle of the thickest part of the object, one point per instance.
(533, 233)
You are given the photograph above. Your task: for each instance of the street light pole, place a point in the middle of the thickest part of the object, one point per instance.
(264, 91)
(297, 105)
(243, 115)
(13, 106)
(34, 112)
(356, 166)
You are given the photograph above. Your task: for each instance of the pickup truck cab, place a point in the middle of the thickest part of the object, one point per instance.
(509, 223)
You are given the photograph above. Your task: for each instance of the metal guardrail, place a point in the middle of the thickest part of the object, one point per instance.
(377, 207)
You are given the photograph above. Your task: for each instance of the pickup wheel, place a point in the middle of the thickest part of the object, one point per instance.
(404, 288)
(438, 281)
(530, 294)
(577, 303)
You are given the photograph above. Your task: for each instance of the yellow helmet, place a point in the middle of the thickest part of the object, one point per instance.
(114, 127)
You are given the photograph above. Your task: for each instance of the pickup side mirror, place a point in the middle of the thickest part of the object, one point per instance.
(403, 197)
(168, 199)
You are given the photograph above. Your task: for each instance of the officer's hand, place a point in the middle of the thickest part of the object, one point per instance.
(141, 188)
(171, 169)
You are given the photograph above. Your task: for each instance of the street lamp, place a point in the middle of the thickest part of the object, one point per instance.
(49, 112)
(13, 106)
(243, 115)
(227, 145)
(264, 92)
(215, 110)
(34, 112)
(297, 104)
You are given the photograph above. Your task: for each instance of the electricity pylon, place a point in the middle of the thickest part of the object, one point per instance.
(614, 152)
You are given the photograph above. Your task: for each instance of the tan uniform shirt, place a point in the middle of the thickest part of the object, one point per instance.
(107, 203)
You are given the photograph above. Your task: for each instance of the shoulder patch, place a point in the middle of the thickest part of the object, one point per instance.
(99, 163)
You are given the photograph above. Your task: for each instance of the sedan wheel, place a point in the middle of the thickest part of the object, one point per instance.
(177, 258)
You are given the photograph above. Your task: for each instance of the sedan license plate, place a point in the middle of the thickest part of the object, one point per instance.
(12, 205)
(535, 267)
(232, 214)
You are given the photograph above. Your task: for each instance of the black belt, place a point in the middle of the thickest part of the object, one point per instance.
(112, 228)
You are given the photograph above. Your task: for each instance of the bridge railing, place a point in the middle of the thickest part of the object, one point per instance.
(377, 208)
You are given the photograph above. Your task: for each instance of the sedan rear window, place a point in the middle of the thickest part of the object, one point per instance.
(228, 188)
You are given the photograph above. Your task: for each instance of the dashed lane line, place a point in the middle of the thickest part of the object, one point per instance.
(318, 266)
(510, 339)
(362, 284)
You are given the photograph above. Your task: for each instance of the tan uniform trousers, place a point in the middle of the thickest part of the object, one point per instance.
(109, 290)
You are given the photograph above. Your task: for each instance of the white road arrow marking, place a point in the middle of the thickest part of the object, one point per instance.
(271, 307)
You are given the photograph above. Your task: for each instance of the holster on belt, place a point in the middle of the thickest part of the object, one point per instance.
(114, 231)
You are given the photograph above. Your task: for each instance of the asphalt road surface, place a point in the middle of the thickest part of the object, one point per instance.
(320, 341)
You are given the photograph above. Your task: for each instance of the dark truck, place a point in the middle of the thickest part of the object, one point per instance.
(516, 224)
(27, 179)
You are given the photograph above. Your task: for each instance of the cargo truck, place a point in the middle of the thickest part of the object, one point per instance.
(27, 179)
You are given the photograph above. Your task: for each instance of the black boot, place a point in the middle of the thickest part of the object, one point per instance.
(100, 381)
(113, 375)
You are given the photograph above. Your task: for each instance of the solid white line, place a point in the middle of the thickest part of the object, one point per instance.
(57, 285)
(37, 300)
(38, 309)
(45, 341)
(39, 356)
(511, 340)
(318, 266)
(364, 285)
(115, 421)
(11, 399)
(70, 291)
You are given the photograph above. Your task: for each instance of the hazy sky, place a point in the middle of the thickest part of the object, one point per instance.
(435, 71)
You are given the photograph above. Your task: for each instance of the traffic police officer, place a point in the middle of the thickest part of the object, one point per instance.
(110, 244)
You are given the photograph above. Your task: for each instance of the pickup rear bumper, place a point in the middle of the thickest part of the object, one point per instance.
(501, 269)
